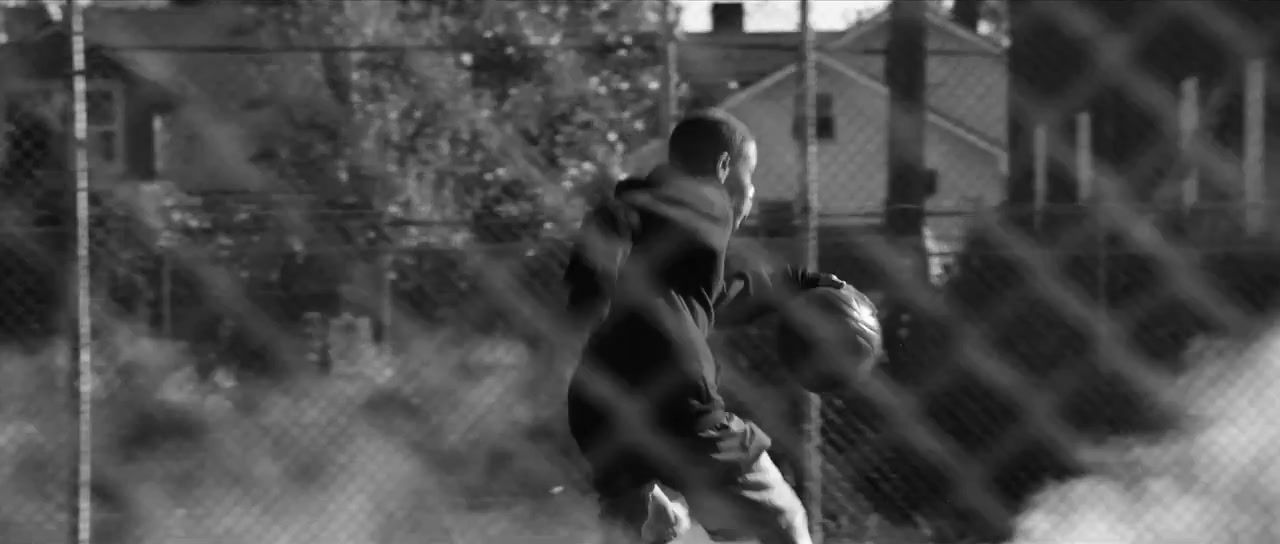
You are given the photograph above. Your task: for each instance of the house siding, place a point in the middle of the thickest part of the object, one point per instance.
(967, 82)
(852, 170)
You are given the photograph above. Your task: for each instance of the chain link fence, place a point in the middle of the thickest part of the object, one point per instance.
(326, 245)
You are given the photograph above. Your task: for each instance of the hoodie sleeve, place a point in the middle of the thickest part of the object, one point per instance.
(603, 243)
(753, 291)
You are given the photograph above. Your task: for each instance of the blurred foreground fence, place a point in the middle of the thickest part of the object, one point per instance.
(326, 270)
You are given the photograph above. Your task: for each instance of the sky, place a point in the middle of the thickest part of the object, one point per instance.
(774, 15)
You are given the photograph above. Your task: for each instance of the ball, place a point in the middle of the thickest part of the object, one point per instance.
(829, 338)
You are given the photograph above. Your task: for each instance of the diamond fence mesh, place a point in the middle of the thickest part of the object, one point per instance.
(327, 242)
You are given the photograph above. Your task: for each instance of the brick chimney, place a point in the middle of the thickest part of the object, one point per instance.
(728, 17)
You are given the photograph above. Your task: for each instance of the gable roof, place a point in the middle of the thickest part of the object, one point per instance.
(944, 122)
(932, 16)
(716, 65)
(832, 41)
(743, 58)
(857, 76)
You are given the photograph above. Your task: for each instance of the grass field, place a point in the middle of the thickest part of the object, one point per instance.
(353, 461)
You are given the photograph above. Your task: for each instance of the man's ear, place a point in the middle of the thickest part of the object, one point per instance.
(722, 167)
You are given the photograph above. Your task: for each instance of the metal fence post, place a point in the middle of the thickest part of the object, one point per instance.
(1253, 155)
(905, 71)
(386, 294)
(812, 414)
(166, 294)
(83, 527)
(670, 107)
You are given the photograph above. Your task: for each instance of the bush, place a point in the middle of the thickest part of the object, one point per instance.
(1108, 310)
(475, 285)
(456, 426)
(1003, 309)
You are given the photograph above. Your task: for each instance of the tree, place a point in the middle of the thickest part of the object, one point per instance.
(487, 112)
(560, 98)
(475, 121)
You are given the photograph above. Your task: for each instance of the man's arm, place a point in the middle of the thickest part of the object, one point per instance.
(751, 292)
(603, 243)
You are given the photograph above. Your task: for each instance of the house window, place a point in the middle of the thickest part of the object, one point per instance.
(104, 113)
(826, 119)
(104, 109)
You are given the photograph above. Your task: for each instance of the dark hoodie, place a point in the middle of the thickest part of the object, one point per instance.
(649, 273)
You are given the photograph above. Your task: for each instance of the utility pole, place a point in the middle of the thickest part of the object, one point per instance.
(905, 72)
(811, 486)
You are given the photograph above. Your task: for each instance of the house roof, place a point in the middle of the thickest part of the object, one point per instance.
(716, 65)
(116, 39)
(932, 16)
(843, 39)
(784, 66)
(46, 57)
(857, 76)
(719, 65)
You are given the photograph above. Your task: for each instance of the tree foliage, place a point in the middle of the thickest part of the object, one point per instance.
(481, 113)
(428, 126)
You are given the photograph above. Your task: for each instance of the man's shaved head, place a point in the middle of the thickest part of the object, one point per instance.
(712, 143)
(703, 137)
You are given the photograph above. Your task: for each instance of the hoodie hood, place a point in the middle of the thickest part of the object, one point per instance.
(670, 193)
(659, 177)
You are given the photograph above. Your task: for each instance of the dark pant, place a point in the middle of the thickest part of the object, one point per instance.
(731, 491)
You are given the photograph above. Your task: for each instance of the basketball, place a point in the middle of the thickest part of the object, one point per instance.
(829, 338)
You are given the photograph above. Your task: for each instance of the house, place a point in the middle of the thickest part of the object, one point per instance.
(758, 82)
(134, 82)
(35, 60)
(170, 89)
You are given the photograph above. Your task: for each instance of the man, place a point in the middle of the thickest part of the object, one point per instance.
(648, 276)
